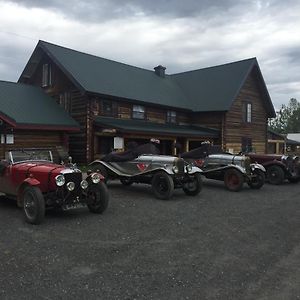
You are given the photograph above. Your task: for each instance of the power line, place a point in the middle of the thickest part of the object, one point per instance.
(19, 35)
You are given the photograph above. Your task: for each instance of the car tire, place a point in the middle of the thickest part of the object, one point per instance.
(100, 169)
(193, 187)
(258, 181)
(97, 197)
(162, 185)
(233, 180)
(275, 175)
(126, 181)
(33, 205)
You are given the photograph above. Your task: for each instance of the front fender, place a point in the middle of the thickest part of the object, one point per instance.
(257, 167)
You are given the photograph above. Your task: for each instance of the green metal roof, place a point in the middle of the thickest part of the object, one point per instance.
(23, 104)
(209, 89)
(130, 125)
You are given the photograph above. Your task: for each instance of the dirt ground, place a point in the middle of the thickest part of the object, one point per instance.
(217, 245)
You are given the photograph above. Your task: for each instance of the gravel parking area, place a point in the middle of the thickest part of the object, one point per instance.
(218, 245)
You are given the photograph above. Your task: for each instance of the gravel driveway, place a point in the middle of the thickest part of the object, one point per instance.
(218, 245)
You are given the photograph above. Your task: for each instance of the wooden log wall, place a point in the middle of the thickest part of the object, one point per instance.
(236, 128)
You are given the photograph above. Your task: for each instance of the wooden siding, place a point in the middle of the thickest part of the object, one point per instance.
(236, 128)
(34, 139)
(208, 119)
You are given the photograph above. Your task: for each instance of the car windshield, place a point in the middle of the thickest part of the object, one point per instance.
(16, 156)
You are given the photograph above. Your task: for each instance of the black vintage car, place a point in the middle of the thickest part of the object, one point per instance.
(143, 165)
(234, 170)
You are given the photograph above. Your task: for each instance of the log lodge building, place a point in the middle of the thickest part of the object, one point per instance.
(115, 103)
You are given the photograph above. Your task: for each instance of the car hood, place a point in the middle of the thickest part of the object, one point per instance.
(39, 167)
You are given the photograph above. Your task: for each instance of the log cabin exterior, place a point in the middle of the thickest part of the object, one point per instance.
(31, 119)
(115, 103)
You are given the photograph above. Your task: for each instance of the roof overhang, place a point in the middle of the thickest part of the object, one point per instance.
(144, 127)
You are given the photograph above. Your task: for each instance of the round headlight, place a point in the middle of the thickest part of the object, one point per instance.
(60, 180)
(175, 169)
(71, 186)
(189, 168)
(84, 184)
(95, 178)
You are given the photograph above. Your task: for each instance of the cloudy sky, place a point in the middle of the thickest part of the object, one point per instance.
(181, 35)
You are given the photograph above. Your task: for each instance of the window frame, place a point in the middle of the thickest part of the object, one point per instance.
(247, 112)
(104, 111)
(46, 75)
(138, 112)
(171, 117)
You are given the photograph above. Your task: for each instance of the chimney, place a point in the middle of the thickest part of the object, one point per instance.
(160, 71)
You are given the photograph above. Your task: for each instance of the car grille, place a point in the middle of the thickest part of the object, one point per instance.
(179, 163)
(247, 165)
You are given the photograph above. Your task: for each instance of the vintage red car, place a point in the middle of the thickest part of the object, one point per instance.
(31, 177)
(278, 167)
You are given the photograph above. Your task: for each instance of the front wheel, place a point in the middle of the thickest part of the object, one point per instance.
(33, 205)
(162, 185)
(275, 175)
(258, 180)
(97, 198)
(233, 180)
(193, 187)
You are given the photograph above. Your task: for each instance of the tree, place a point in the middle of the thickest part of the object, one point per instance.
(287, 119)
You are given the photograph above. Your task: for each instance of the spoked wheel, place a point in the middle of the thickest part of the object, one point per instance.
(275, 175)
(193, 187)
(162, 185)
(33, 205)
(97, 198)
(258, 180)
(233, 180)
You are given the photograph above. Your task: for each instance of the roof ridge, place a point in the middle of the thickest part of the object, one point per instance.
(216, 66)
(99, 57)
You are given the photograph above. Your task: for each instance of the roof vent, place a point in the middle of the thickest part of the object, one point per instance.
(160, 71)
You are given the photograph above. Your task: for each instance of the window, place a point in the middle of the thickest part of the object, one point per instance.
(107, 108)
(47, 76)
(247, 112)
(247, 145)
(138, 112)
(65, 101)
(171, 116)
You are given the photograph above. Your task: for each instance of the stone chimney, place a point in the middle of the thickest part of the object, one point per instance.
(160, 71)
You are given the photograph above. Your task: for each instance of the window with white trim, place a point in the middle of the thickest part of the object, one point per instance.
(171, 116)
(247, 112)
(46, 76)
(138, 112)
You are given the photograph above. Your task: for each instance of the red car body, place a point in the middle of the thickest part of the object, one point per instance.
(31, 177)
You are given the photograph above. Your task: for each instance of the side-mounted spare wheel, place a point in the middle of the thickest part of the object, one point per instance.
(193, 187)
(162, 185)
(233, 180)
(33, 205)
(97, 197)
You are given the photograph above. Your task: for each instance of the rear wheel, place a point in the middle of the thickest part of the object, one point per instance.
(233, 180)
(275, 175)
(193, 187)
(97, 198)
(258, 181)
(162, 185)
(33, 205)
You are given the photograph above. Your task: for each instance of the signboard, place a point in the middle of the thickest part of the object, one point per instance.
(118, 142)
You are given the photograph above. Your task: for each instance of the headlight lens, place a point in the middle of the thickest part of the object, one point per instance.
(84, 184)
(96, 178)
(60, 180)
(189, 168)
(71, 186)
(175, 169)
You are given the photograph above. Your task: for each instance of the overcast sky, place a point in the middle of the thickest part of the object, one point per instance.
(181, 35)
